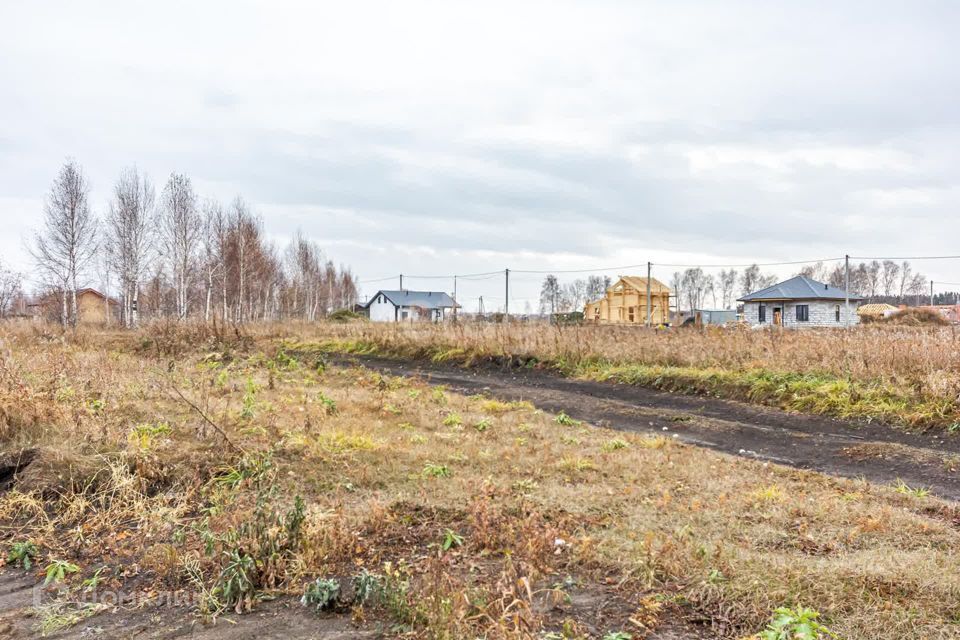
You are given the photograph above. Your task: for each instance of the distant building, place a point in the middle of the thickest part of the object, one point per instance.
(94, 307)
(876, 310)
(625, 302)
(799, 302)
(714, 316)
(410, 306)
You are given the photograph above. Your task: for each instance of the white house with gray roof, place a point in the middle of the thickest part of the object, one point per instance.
(410, 306)
(798, 303)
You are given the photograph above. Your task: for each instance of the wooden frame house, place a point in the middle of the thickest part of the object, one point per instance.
(625, 302)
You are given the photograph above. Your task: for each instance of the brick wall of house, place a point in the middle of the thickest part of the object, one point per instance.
(822, 313)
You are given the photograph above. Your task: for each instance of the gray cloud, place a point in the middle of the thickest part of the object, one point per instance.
(445, 138)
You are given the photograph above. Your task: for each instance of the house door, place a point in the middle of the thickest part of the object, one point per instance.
(778, 316)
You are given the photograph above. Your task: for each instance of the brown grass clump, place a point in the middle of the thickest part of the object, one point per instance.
(501, 523)
(915, 317)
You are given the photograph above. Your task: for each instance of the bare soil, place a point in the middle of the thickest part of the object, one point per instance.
(281, 619)
(831, 446)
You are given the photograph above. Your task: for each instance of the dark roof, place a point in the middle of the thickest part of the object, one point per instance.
(422, 299)
(799, 288)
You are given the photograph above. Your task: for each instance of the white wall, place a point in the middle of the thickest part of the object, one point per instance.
(822, 313)
(382, 310)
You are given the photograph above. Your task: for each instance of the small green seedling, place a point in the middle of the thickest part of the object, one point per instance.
(58, 570)
(451, 539)
(22, 554)
(90, 584)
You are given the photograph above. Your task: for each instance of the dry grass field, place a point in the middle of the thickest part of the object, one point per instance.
(903, 376)
(230, 468)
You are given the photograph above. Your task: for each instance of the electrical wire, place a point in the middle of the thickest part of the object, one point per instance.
(907, 258)
(487, 275)
(752, 264)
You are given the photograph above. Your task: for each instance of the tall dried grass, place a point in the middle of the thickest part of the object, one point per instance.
(905, 374)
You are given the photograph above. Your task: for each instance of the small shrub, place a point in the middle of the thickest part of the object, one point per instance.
(321, 594)
(483, 424)
(795, 624)
(615, 444)
(566, 421)
(249, 400)
(329, 405)
(452, 420)
(143, 435)
(904, 488)
(345, 315)
(237, 582)
(366, 586)
(436, 470)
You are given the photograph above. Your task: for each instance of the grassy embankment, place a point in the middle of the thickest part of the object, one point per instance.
(465, 516)
(898, 376)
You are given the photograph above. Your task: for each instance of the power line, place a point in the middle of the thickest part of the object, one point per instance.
(907, 258)
(752, 264)
(378, 279)
(487, 275)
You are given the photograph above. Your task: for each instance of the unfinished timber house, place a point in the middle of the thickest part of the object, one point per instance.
(625, 302)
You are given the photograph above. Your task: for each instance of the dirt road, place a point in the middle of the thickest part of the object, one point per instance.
(878, 453)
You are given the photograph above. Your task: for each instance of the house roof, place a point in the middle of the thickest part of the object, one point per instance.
(93, 291)
(875, 308)
(799, 288)
(640, 283)
(422, 299)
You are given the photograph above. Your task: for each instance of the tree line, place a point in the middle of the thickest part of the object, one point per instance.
(694, 288)
(175, 255)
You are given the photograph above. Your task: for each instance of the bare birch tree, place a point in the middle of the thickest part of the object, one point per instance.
(10, 288)
(728, 283)
(181, 226)
(131, 236)
(214, 241)
(67, 241)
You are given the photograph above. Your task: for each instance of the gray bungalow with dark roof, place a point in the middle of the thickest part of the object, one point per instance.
(798, 303)
(408, 306)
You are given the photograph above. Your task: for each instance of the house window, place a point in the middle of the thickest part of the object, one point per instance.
(631, 313)
(836, 311)
(803, 313)
(762, 313)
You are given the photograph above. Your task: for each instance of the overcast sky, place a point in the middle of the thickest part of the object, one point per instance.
(462, 137)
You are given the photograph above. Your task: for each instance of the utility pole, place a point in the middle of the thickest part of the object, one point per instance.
(506, 295)
(846, 292)
(931, 293)
(401, 282)
(454, 298)
(649, 296)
